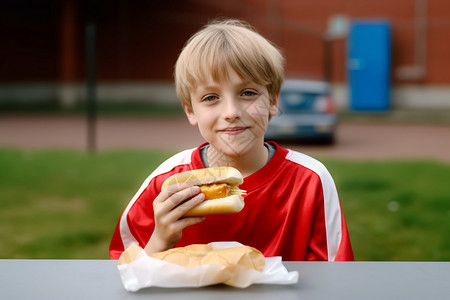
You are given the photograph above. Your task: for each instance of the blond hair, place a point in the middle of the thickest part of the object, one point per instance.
(228, 43)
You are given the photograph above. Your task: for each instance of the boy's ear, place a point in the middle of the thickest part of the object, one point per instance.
(190, 115)
(273, 111)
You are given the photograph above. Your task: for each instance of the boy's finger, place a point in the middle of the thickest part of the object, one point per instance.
(185, 222)
(177, 192)
(167, 203)
(183, 195)
(180, 210)
(175, 188)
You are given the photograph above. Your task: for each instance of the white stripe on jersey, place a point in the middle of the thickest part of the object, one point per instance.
(181, 158)
(333, 223)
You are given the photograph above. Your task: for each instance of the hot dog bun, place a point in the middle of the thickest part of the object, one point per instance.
(220, 186)
(228, 175)
(203, 254)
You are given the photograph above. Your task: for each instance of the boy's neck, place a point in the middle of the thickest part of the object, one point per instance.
(247, 164)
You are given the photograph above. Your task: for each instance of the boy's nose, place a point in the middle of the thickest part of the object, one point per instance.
(232, 109)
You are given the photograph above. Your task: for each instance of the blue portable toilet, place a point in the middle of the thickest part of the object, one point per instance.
(369, 64)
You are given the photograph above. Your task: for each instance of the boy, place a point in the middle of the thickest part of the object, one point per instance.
(228, 78)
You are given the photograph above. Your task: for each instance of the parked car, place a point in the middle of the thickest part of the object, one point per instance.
(307, 112)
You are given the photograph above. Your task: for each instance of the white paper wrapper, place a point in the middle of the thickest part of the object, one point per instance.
(147, 271)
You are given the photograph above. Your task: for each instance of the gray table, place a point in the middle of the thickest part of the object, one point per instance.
(99, 279)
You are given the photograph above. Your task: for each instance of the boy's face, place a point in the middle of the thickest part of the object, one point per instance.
(232, 115)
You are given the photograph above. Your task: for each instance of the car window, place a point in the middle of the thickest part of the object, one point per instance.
(295, 101)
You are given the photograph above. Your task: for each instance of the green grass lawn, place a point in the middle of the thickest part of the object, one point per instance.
(396, 210)
(65, 204)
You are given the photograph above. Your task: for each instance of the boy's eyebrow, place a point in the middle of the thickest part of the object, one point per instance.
(215, 86)
(203, 87)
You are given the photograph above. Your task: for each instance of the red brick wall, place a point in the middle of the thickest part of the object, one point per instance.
(140, 40)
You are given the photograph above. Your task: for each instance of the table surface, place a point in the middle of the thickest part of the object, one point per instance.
(99, 279)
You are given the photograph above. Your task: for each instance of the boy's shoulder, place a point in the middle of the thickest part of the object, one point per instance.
(302, 160)
(179, 159)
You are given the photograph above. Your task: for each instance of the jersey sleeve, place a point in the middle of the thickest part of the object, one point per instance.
(136, 223)
(319, 248)
(345, 252)
(116, 247)
(329, 239)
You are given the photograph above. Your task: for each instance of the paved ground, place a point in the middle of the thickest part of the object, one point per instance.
(356, 138)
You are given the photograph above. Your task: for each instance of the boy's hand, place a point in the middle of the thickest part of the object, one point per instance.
(169, 208)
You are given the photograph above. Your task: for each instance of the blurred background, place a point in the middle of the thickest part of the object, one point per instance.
(88, 109)
(43, 57)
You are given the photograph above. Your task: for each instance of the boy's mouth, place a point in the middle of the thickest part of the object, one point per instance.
(233, 130)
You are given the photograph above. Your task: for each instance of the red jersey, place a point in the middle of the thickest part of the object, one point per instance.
(291, 210)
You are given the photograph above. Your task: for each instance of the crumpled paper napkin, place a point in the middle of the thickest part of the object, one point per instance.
(146, 271)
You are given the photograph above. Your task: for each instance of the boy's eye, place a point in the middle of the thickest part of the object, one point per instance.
(209, 98)
(248, 93)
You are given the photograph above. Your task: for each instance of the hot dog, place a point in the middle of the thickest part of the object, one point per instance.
(220, 186)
